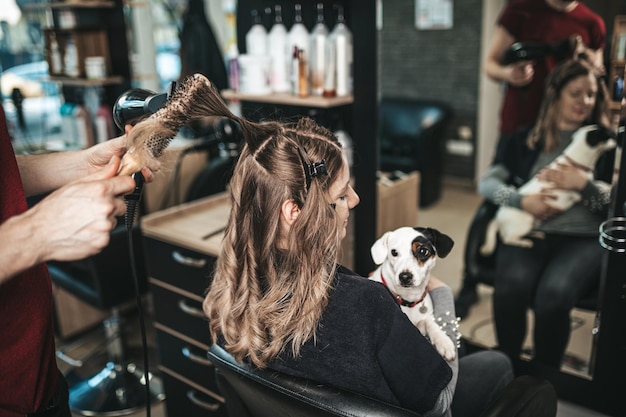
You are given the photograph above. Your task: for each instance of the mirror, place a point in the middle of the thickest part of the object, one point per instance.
(580, 356)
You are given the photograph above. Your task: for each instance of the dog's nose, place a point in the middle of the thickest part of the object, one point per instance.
(406, 278)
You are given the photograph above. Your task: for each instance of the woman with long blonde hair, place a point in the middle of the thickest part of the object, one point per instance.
(279, 300)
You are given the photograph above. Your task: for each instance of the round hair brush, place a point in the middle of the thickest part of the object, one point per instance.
(147, 140)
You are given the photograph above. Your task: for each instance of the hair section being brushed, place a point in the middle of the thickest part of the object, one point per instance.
(195, 98)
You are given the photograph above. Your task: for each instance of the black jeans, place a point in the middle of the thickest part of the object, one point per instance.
(482, 375)
(59, 405)
(550, 278)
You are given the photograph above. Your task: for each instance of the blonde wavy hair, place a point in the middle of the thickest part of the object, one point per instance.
(269, 287)
(546, 131)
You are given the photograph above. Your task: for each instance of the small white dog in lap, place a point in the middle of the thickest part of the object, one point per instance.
(406, 257)
(515, 225)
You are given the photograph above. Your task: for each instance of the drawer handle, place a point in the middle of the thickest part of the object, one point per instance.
(193, 396)
(195, 358)
(188, 261)
(192, 311)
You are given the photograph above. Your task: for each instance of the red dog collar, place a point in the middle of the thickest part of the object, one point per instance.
(401, 300)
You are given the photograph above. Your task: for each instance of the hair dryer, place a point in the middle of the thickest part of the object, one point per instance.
(137, 103)
(523, 51)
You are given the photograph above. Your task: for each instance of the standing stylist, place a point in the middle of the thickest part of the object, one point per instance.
(71, 223)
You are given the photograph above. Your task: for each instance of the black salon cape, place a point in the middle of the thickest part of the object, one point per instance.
(366, 344)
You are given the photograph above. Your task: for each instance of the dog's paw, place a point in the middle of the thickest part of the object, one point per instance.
(444, 346)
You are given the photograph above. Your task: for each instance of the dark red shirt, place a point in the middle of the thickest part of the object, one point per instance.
(534, 21)
(28, 371)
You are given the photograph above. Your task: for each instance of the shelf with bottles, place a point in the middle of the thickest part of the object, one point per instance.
(71, 5)
(289, 99)
(307, 63)
(81, 54)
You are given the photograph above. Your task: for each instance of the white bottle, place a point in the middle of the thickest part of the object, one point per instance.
(317, 56)
(295, 70)
(70, 60)
(298, 37)
(277, 50)
(56, 62)
(341, 37)
(298, 34)
(256, 38)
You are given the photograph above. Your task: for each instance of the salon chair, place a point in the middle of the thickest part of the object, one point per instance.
(480, 269)
(105, 281)
(265, 393)
(412, 138)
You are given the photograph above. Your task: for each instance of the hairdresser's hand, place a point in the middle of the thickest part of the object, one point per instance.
(539, 205)
(564, 177)
(100, 155)
(520, 74)
(590, 57)
(75, 221)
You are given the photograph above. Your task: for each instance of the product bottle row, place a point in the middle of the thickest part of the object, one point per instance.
(297, 61)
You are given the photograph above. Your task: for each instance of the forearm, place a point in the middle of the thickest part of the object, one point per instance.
(495, 71)
(445, 316)
(500, 42)
(19, 250)
(494, 188)
(47, 172)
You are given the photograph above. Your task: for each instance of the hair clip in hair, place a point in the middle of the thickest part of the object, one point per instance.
(317, 169)
(312, 170)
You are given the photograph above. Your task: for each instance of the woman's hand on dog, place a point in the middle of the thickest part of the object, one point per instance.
(539, 205)
(564, 177)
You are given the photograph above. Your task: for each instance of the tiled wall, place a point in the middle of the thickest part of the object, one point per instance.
(439, 64)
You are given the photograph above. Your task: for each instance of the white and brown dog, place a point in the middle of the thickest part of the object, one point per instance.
(406, 257)
(515, 225)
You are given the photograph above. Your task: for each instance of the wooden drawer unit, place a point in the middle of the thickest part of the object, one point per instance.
(180, 313)
(186, 357)
(190, 400)
(180, 267)
(181, 246)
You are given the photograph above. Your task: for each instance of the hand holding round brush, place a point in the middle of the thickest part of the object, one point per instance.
(147, 140)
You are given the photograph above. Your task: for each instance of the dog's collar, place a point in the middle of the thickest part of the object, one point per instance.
(401, 300)
(577, 165)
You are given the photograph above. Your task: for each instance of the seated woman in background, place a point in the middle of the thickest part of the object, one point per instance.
(279, 300)
(559, 269)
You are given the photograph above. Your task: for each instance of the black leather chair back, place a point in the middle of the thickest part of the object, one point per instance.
(265, 393)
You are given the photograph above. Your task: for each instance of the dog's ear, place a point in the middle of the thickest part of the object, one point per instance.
(442, 242)
(598, 135)
(379, 249)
